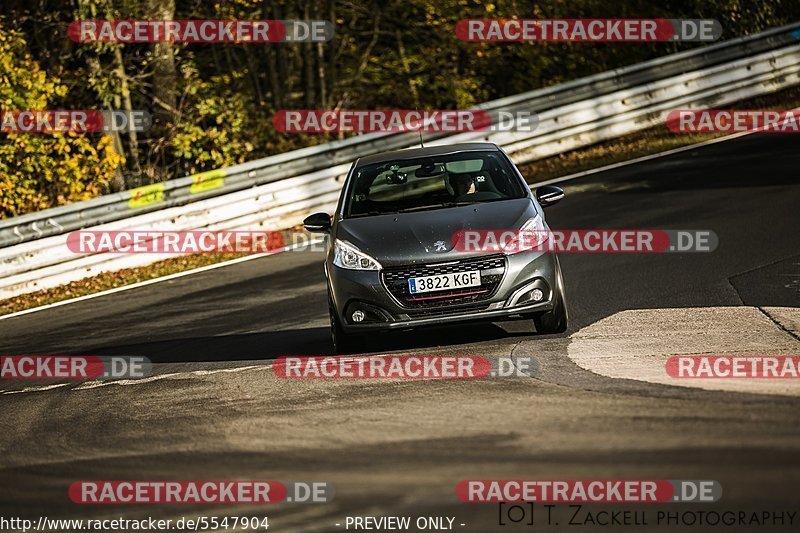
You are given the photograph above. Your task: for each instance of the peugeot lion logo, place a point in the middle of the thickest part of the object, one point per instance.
(439, 246)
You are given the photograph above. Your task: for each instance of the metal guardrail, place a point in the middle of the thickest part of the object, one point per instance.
(276, 192)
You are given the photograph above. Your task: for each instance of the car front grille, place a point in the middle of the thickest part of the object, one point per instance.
(492, 269)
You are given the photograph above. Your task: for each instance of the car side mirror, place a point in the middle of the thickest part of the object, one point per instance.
(318, 223)
(548, 195)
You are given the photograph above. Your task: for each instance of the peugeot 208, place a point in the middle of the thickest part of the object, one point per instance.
(392, 262)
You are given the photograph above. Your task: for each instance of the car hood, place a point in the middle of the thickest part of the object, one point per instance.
(410, 238)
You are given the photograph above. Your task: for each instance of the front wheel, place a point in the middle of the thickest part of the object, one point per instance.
(554, 321)
(557, 319)
(343, 343)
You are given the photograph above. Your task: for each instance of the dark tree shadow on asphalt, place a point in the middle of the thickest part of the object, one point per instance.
(310, 341)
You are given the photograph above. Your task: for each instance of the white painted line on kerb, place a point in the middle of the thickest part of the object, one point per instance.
(98, 383)
(159, 280)
(122, 382)
(35, 389)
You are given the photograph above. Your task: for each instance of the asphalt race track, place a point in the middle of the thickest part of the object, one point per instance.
(216, 411)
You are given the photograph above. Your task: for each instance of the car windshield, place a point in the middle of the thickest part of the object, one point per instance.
(432, 182)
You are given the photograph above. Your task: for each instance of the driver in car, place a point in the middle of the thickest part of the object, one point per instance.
(463, 185)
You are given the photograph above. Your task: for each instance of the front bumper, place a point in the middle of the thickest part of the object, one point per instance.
(366, 291)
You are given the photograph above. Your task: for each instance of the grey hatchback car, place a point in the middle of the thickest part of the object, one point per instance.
(393, 263)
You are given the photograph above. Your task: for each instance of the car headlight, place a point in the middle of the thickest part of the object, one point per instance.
(345, 255)
(530, 236)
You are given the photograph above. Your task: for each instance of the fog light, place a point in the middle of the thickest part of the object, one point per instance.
(531, 293)
(358, 316)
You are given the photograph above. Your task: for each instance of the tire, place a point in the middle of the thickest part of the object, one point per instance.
(343, 344)
(556, 320)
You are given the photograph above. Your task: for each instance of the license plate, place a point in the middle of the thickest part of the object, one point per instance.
(442, 282)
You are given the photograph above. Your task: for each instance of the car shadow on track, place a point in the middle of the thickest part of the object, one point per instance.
(308, 341)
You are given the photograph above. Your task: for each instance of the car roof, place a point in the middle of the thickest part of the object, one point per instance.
(411, 153)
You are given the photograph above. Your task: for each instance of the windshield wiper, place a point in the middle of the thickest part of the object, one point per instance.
(459, 204)
(372, 214)
(436, 206)
(421, 208)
